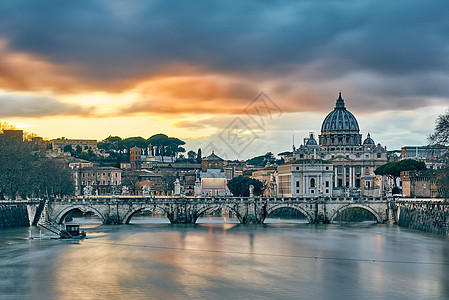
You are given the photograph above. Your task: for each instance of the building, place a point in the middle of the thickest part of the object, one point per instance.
(12, 135)
(267, 176)
(305, 177)
(432, 156)
(60, 143)
(420, 184)
(103, 180)
(135, 157)
(213, 177)
(354, 161)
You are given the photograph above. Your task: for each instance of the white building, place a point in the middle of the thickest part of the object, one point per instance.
(305, 177)
(341, 144)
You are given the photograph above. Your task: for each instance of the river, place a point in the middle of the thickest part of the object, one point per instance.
(220, 259)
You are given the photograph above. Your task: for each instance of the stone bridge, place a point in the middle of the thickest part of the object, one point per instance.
(186, 210)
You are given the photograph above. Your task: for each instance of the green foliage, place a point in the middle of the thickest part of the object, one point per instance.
(285, 153)
(191, 155)
(262, 160)
(394, 169)
(239, 186)
(199, 156)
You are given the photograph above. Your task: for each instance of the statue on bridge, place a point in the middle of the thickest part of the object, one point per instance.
(87, 190)
(251, 190)
(146, 190)
(125, 190)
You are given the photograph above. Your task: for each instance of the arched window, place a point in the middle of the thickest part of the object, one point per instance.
(312, 182)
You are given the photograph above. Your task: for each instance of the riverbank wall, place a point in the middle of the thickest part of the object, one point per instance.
(425, 215)
(13, 215)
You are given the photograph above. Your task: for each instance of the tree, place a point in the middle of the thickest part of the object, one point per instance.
(239, 186)
(191, 155)
(199, 156)
(441, 134)
(25, 172)
(262, 160)
(68, 148)
(441, 137)
(394, 169)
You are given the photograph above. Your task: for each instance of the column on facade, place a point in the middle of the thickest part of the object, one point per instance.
(335, 183)
(350, 177)
(304, 184)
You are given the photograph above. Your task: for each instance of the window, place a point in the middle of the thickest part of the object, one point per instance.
(312, 182)
(327, 168)
(357, 183)
(379, 155)
(327, 191)
(297, 183)
(327, 183)
(312, 191)
(340, 169)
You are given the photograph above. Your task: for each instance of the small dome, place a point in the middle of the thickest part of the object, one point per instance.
(340, 119)
(311, 142)
(368, 140)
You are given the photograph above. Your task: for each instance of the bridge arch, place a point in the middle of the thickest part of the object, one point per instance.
(297, 207)
(130, 214)
(63, 213)
(365, 207)
(204, 208)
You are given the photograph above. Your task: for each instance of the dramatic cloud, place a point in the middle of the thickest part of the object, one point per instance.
(22, 105)
(174, 60)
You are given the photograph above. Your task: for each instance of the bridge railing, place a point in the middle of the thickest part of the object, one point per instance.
(227, 199)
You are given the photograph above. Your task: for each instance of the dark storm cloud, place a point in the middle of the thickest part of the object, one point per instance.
(116, 42)
(20, 105)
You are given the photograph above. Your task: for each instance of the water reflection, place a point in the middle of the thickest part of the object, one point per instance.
(226, 260)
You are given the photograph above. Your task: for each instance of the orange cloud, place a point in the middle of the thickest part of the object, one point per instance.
(212, 94)
(28, 72)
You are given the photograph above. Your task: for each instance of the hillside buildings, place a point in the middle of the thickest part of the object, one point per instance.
(60, 143)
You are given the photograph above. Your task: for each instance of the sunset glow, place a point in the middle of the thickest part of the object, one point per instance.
(94, 69)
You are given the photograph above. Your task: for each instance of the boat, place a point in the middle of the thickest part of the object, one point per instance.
(68, 231)
(72, 231)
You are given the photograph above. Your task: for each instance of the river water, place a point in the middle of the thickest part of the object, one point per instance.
(219, 259)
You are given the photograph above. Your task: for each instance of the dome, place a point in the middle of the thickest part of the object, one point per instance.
(368, 140)
(340, 119)
(311, 142)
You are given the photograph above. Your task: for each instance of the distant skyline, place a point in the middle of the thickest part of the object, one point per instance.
(89, 69)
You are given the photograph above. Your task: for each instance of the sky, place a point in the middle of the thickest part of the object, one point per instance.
(240, 77)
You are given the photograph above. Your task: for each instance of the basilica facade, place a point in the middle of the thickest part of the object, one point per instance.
(353, 160)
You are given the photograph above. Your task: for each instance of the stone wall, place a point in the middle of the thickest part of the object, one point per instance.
(424, 216)
(13, 215)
